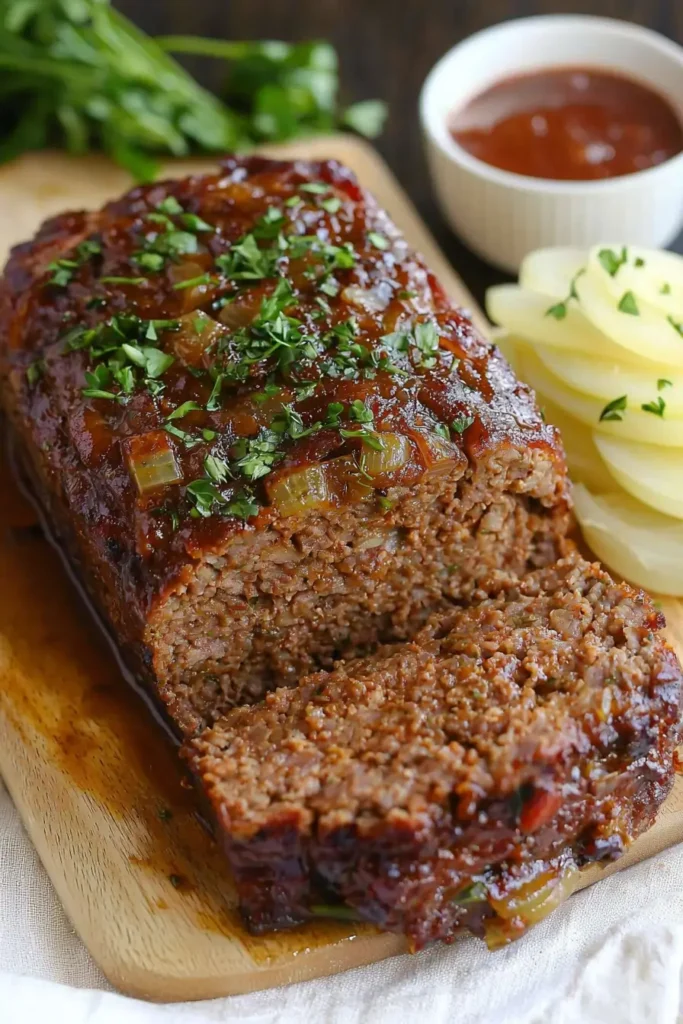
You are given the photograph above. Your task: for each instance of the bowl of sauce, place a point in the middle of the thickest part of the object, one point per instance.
(557, 130)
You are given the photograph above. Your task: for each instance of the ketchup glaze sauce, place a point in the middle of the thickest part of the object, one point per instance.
(572, 123)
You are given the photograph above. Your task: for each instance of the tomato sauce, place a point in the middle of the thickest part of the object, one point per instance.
(572, 123)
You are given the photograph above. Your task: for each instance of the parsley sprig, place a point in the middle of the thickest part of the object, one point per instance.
(78, 73)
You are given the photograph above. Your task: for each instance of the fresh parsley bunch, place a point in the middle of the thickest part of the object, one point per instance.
(76, 73)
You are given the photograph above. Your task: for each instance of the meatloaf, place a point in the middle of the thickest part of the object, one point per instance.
(458, 780)
(260, 430)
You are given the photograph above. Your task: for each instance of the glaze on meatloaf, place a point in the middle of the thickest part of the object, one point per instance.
(460, 779)
(261, 431)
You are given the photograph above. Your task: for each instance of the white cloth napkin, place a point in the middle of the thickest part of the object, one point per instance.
(612, 955)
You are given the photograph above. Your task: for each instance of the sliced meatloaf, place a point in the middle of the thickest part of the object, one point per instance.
(261, 432)
(458, 780)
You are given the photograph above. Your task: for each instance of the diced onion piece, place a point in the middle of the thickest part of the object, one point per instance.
(533, 900)
(652, 475)
(151, 461)
(300, 490)
(241, 311)
(641, 544)
(196, 333)
(369, 300)
(438, 454)
(191, 295)
(394, 454)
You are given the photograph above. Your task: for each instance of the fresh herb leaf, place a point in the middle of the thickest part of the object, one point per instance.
(665, 289)
(257, 456)
(663, 383)
(331, 205)
(639, 262)
(243, 507)
(193, 282)
(461, 423)
(677, 325)
(656, 408)
(316, 188)
(34, 371)
(628, 304)
(216, 469)
(611, 261)
(366, 117)
(183, 410)
(214, 400)
(379, 241)
(558, 311)
(205, 496)
(614, 409)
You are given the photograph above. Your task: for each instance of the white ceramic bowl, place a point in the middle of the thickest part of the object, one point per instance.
(502, 216)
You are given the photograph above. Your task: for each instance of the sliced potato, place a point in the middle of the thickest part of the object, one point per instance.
(652, 475)
(551, 271)
(652, 275)
(525, 313)
(641, 544)
(638, 325)
(604, 379)
(635, 425)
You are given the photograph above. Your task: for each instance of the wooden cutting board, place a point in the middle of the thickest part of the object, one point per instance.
(95, 779)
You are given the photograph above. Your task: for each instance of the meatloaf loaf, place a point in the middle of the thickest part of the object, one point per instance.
(457, 780)
(261, 431)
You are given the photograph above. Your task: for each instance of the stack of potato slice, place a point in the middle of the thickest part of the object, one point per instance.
(599, 336)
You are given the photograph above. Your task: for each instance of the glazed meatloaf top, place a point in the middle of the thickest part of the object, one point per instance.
(549, 683)
(182, 352)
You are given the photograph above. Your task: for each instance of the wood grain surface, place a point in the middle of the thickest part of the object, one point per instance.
(95, 779)
(385, 49)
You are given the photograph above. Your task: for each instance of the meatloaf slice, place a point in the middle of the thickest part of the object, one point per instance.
(460, 779)
(261, 431)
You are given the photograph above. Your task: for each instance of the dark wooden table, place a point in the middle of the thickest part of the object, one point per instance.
(386, 48)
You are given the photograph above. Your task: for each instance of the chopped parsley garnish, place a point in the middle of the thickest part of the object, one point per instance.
(331, 205)
(214, 399)
(379, 241)
(170, 206)
(386, 503)
(34, 371)
(205, 496)
(257, 456)
(559, 310)
(460, 424)
(289, 423)
(216, 469)
(665, 289)
(244, 261)
(628, 304)
(677, 325)
(368, 437)
(614, 409)
(113, 279)
(243, 507)
(149, 260)
(639, 262)
(183, 410)
(304, 390)
(442, 430)
(64, 269)
(334, 411)
(316, 188)
(663, 383)
(193, 282)
(611, 261)
(427, 342)
(656, 408)
(194, 223)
